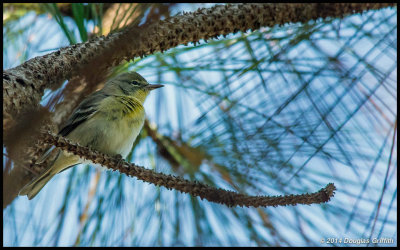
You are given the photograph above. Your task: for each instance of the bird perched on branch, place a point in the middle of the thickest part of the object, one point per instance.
(108, 120)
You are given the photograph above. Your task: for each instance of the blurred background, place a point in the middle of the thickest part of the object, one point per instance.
(281, 110)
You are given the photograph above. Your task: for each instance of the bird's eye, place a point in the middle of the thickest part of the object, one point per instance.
(135, 83)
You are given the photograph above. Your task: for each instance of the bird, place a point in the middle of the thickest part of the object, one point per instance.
(108, 120)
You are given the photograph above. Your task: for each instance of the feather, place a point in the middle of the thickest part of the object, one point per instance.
(87, 108)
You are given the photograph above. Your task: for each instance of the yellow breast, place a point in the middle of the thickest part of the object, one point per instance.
(114, 127)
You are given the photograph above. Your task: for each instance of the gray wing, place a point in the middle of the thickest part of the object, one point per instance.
(84, 110)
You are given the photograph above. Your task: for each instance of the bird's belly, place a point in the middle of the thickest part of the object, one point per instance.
(111, 137)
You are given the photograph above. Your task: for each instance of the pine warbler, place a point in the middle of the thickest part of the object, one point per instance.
(108, 120)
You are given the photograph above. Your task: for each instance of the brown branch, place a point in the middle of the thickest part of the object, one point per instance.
(23, 86)
(203, 191)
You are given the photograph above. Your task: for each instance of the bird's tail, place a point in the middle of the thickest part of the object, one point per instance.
(33, 188)
(61, 163)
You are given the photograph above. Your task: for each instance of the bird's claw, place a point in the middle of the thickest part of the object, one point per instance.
(120, 160)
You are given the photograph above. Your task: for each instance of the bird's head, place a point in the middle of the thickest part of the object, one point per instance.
(131, 84)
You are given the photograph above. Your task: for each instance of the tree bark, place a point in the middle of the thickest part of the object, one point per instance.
(24, 85)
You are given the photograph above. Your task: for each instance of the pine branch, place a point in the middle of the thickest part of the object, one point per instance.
(23, 86)
(196, 189)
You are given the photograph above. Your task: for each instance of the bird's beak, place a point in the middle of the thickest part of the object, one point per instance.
(154, 86)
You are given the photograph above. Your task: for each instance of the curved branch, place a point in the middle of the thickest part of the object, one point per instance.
(23, 86)
(203, 191)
